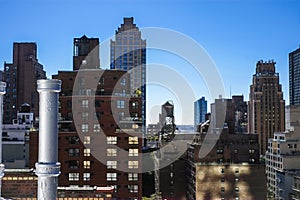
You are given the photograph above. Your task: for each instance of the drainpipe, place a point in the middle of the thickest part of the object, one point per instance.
(48, 167)
(2, 167)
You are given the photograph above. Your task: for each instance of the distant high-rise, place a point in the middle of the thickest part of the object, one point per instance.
(21, 77)
(294, 77)
(266, 104)
(86, 53)
(128, 53)
(200, 109)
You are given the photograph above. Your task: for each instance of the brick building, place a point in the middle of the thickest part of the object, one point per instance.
(21, 76)
(99, 132)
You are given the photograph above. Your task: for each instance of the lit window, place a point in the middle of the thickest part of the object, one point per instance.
(134, 105)
(87, 152)
(111, 152)
(87, 140)
(84, 128)
(133, 164)
(251, 150)
(85, 103)
(73, 152)
(133, 152)
(111, 164)
(111, 140)
(133, 188)
(111, 176)
(96, 128)
(133, 176)
(73, 176)
(133, 140)
(86, 176)
(237, 189)
(86, 164)
(120, 104)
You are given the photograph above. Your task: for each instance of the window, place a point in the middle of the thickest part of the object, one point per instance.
(120, 104)
(111, 176)
(133, 164)
(85, 103)
(123, 81)
(111, 140)
(69, 104)
(133, 152)
(133, 176)
(222, 171)
(74, 152)
(73, 164)
(73, 140)
(87, 152)
(219, 151)
(97, 103)
(236, 180)
(86, 164)
(87, 140)
(84, 116)
(133, 188)
(86, 176)
(111, 164)
(222, 180)
(222, 189)
(111, 152)
(237, 189)
(73, 176)
(236, 170)
(133, 140)
(251, 151)
(135, 105)
(96, 128)
(84, 128)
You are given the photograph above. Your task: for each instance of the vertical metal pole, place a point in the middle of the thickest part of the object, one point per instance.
(2, 167)
(48, 167)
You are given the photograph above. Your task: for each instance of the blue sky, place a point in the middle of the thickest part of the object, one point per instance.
(236, 34)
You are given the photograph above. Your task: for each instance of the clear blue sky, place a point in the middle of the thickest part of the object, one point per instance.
(236, 34)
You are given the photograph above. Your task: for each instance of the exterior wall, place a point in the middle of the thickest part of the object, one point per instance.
(86, 53)
(15, 146)
(112, 86)
(294, 76)
(21, 77)
(282, 155)
(200, 110)
(266, 104)
(19, 185)
(128, 53)
(230, 181)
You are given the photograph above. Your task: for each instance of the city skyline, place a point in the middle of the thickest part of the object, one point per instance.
(246, 32)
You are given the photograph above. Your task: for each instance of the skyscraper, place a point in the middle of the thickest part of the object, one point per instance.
(128, 52)
(266, 104)
(21, 77)
(200, 109)
(294, 77)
